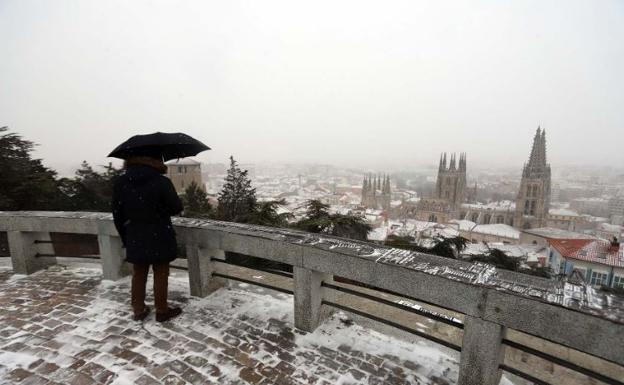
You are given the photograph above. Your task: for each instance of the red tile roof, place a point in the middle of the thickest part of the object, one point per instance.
(590, 250)
(568, 247)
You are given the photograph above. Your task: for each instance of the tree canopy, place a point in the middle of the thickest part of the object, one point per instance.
(237, 199)
(195, 202)
(317, 219)
(266, 214)
(90, 190)
(443, 247)
(26, 184)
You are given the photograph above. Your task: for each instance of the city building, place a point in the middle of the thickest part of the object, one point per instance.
(496, 232)
(490, 213)
(183, 172)
(616, 209)
(598, 207)
(376, 192)
(450, 192)
(600, 263)
(542, 236)
(530, 210)
(533, 201)
(564, 219)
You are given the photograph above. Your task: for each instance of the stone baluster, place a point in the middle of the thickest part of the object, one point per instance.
(112, 257)
(308, 298)
(482, 352)
(25, 252)
(200, 269)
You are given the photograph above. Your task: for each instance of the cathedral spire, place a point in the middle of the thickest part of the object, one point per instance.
(533, 200)
(538, 151)
(462, 161)
(452, 165)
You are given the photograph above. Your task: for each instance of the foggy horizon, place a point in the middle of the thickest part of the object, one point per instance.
(353, 84)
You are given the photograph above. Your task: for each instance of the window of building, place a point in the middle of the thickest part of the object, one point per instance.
(179, 169)
(618, 281)
(583, 273)
(598, 278)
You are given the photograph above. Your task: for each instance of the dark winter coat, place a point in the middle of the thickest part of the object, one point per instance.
(143, 203)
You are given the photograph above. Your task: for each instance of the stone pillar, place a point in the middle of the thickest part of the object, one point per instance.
(113, 257)
(482, 352)
(308, 298)
(24, 251)
(200, 269)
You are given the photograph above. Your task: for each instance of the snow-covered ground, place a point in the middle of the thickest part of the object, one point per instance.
(221, 339)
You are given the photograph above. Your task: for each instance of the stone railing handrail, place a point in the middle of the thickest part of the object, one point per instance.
(491, 300)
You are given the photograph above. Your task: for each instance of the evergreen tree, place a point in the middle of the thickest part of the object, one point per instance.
(402, 242)
(25, 184)
(317, 219)
(443, 247)
(266, 214)
(350, 226)
(449, 247)
(237, 199)
(499, 259)
(195, 202)
(90, 190)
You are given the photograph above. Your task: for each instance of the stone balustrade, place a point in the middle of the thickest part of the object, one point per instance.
(491, 302)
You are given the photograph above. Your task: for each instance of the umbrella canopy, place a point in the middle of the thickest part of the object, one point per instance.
(159, 144)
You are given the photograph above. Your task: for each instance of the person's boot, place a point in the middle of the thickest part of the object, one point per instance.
(171, 313)
(142, 315)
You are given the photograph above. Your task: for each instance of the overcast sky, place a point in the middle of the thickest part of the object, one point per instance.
(358, 83)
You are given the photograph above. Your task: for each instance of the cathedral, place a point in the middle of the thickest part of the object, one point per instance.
(376, 192)
(530, 210)
(449, 194)
(533, 201)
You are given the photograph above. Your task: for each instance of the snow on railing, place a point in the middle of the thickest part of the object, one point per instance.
(493, 304)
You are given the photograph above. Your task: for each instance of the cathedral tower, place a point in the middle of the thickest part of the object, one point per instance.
(533, 199)
(450, 192)
(451, 182)
(376, 192)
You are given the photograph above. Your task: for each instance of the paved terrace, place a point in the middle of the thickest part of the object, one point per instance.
(498, 322)
(64, 325)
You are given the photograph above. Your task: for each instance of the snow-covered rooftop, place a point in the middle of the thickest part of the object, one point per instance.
(551, 232)
(498, 229)
(183, 162)
(463, 224)
(563, 212)
(497, 206)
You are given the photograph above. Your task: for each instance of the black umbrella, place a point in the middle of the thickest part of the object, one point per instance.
(159, 144)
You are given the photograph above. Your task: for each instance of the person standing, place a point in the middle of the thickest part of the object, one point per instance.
(143, 202)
